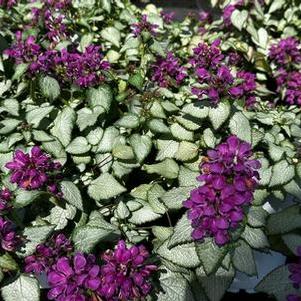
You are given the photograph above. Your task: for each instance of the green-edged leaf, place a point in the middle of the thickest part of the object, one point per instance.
(25, 197)
(72, 194)
(8, 263)
(182, 232)
(78, 146)
(239, 18)
(210, 255)
(33, 236)
(277, 283)
(24, 288)
(219, 114)
(36, 115)
(63, 125)
(129, 121)
(240, 126)
(282, 173)
(181, 133)
(105, 187)
(187, 151)
(175, 288)
(243, 259)
(184, 255)
(102, 96)
(255, 237)
(174, 198)
(284, 221)
(157, 125)
(106, 143)
(50, 87)
(292, 241)
(168, 168)
(111, 34)
(216, 285)
(187, 177)
(141, 146)
(257, 216)
(85, 238)
(196, 109)
(144, 215)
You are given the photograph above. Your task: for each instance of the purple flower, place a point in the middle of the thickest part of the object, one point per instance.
(10, 241)
(234, 59)
(205, 17)
(293, 298)
(167, 71)
(72, 279)
(295, 276)
(286, 52)
(83, 69)
(205, 56)
(144, 26)
(125, 274)
(47, 254)
(24, 51)
(245, 88)
(8, 3)
(229, 179)
(215, 85)
(58, 4)
(289, 84)
(227, 13)
(5, 200)
(34, 170)
(167, 17)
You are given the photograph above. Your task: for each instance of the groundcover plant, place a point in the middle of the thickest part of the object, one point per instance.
(144, 158)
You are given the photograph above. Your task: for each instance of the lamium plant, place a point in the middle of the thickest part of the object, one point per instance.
(145, 158)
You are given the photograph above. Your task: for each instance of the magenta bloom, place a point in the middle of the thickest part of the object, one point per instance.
(10, 241)
(286, 52)
(83, 69)
(5, 200)
(58, 4)
(205, 56)
(144, 26)
(47, 254)
(168, 72)
(167, 17)
(227, 13)
(8, 3)
(215, 84)
(73, 278)
(295, 276)
(246, 88)
(24, 51)
(229, 179)
(125, 274)
(34, 170)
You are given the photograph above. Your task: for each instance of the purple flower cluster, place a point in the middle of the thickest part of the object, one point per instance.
(47, 254)
(73, 278)
(24, 51)
(295, 276)
(10, 241)
(286, 55)
(83, 69)
(168, 71)
(5, 200)
(285, 52)
(144, 26)
(229, 179)
(167, 17)
(215, 78)
(125, 274)
(7, 3)
(52, 16)
(35, 170)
